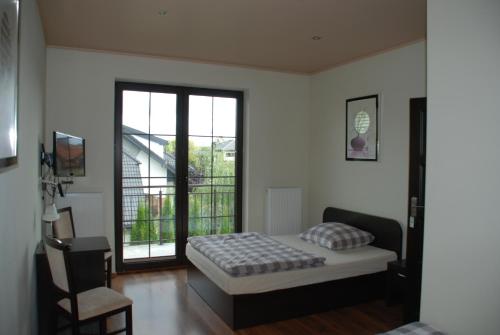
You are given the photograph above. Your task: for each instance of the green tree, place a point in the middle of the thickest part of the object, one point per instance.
(195, 222)
(208, 161)
(142, 229)
(200, 159)
(168, 217)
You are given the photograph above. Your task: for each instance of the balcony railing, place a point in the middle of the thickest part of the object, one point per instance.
(209, 213)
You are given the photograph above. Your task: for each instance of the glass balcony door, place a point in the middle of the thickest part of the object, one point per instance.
(148, 175)
(177, 170)
(212, 185)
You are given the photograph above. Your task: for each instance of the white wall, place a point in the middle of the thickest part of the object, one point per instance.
(80, 101)
(461, 274)
(20, 197)
(379, 188)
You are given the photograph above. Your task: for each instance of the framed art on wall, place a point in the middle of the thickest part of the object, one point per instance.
(362, 128)
(9, 50)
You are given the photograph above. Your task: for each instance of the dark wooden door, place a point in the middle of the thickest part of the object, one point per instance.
(416, 200)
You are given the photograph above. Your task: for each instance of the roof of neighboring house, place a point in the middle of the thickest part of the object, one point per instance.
(156, 147)
(156, 152)
(156, 139)
(133, 190)
(228, 145)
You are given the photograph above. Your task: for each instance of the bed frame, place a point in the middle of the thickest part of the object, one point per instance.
(245, 310)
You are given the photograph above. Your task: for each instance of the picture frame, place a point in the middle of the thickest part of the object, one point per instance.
(362, 142)
(9, 81)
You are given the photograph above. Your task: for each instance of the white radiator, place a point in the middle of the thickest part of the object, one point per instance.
(283, 211)
(88, 212)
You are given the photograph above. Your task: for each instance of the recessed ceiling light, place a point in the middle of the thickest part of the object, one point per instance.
(316, 38)
(162, 12)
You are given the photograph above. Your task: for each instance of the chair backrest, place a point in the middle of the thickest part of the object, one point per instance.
(64, 227)
(57, 256)
(60, 269)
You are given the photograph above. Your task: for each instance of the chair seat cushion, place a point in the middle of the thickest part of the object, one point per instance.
(96, 302)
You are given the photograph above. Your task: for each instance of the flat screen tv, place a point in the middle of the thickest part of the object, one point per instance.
(69, 155)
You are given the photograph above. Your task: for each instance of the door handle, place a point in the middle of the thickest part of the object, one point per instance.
(414, 206)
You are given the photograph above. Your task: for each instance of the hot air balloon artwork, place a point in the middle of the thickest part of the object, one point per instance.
(362, 128)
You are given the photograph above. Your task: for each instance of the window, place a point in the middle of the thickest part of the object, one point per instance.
(178, 169)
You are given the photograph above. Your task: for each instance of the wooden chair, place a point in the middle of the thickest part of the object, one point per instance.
(93, 305)
(65, 228)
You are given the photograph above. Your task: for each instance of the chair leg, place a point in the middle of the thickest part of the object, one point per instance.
(75, 328)
(108, 271)
(128, 320)
(102, 327)
(53, 321)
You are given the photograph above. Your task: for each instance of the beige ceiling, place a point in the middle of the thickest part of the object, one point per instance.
(270, 34)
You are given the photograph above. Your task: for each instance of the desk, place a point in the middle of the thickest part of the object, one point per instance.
(87, 259)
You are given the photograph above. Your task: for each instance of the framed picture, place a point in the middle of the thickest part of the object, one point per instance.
(9, 59)
(361, 135)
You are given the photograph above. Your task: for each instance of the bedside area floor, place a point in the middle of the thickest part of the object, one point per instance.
(165, 304)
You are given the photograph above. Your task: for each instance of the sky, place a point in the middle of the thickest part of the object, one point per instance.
(163, 114)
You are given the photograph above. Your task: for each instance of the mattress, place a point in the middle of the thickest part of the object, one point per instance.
(339, 264)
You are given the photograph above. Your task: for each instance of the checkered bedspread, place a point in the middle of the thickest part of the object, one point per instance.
(248, 254)
(414, 328)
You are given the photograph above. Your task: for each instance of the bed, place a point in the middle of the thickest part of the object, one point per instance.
(349, 277)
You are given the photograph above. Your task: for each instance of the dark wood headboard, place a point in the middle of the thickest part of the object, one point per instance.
(388, 233)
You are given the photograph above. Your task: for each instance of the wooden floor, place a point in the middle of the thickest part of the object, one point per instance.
(164, 304)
